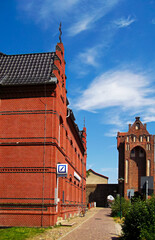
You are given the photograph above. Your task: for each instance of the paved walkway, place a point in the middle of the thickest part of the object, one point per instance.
(99, 227)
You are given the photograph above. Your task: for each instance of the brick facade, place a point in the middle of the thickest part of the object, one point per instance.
(136, 156)
(38, 131)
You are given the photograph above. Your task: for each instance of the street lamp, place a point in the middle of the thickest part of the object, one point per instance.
(121, 181)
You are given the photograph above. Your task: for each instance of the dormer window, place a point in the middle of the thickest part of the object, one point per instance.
(127, 138)
(134, 138)
(148, 138)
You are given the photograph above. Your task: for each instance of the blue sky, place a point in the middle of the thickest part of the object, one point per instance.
(110, 56)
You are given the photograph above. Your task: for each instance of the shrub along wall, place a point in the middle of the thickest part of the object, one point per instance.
(139, 219)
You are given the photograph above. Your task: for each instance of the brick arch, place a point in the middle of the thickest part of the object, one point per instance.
(137, 166)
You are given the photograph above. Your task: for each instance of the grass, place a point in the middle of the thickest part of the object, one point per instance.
(118, 220)
(19, 233)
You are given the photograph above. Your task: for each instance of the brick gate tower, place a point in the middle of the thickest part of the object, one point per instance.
(136, 157)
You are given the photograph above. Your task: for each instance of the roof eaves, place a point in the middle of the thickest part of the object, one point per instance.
(98, 174)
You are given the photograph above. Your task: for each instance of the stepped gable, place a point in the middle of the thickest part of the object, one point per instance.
(137, 128)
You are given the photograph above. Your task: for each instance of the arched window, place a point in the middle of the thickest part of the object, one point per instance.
(148, 147)
(126, 170)
(137, 127)
(133, 153)
(148, 168)
(60, 132)
(141, 153)
(127, 147)
(141, 138)
(66, 142)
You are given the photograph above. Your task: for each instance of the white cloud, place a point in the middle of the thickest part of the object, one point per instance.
(124, 94)
(90, 13)
(112, 132)
(90, 56)
(80, 26)
(124, 89)
(80, 15)
(47, 11)
(84, 61)
(153, 21)
(89, 166)
(124, 22)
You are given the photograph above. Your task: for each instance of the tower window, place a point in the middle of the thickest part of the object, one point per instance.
(141, 138)
(137, 127)
(132, 153)
(127, 147)
(148, 147)
(148, 168)
(141, 153)
(126, 170)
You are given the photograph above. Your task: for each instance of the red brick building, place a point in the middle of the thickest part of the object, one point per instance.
(38, 131)
(136, 156)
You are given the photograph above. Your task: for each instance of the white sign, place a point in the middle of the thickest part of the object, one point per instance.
(77, 176)
(62, 169)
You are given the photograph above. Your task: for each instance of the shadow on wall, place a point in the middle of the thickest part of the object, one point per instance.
(100, 192)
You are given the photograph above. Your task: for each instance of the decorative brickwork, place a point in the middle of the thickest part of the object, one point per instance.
(136, 156)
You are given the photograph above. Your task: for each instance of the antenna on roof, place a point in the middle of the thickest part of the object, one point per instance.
(60, 33)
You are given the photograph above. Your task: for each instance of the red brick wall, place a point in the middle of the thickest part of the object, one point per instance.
(137, 165)
(30, 148)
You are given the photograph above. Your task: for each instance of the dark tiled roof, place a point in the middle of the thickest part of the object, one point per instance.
(26, 68)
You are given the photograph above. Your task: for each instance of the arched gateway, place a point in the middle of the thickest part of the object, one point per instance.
(137, 164)
(136, 157)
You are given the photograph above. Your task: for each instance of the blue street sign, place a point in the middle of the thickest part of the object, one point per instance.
(62, 169)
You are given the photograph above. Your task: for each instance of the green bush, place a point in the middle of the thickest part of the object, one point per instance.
(139, 221)
(125, 205)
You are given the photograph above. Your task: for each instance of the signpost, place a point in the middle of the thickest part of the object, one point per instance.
(62, 171)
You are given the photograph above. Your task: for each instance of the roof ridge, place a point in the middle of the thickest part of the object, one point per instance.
(98, 173)
(25, 53)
